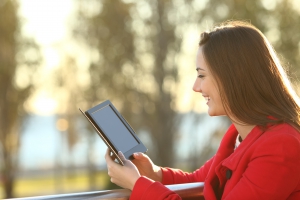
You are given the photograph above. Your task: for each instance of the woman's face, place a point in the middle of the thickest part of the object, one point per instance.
(207, 86)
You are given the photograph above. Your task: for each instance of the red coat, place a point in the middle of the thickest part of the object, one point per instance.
(266, 165)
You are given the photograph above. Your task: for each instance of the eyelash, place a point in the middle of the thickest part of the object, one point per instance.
(200, 76)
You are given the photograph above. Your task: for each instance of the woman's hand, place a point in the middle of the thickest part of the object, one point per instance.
(124, 176)
(146, 167)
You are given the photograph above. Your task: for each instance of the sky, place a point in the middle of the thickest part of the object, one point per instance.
(47, 22)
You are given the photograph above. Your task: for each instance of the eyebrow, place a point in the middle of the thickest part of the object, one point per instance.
(198, 68)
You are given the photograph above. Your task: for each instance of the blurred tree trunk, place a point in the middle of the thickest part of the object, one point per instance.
(9, 96)
(13, 93)
(162, 123)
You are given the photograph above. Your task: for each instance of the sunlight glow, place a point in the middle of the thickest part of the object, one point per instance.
(45, 20)
(41, 103)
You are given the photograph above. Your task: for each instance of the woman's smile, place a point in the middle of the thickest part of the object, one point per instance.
(207, 98)
(206, 84)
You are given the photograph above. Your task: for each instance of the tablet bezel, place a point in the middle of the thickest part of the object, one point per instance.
(111, 144)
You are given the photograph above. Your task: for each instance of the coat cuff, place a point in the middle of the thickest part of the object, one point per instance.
(167, 176)
(140, 187)
(147, 189)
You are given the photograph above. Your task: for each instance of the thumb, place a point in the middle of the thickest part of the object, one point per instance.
(139, 155)
(122, 157)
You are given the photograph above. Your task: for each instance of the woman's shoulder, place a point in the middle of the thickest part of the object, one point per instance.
(283, 130)
(282, 138)
(276, 134)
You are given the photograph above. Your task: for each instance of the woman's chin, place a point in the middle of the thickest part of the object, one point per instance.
(211, 113)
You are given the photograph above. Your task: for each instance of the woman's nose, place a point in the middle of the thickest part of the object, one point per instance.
(197, 86)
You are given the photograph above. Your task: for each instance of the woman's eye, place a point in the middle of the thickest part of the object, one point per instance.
(200, 76)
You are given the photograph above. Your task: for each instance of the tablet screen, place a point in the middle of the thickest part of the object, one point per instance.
(110, 123)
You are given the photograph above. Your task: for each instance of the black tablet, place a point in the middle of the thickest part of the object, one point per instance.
(114, 130)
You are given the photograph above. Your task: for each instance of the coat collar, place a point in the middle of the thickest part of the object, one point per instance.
(226, 148)
(232, 161)
(228, 159)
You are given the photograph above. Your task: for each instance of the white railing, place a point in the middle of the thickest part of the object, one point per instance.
(188, 191)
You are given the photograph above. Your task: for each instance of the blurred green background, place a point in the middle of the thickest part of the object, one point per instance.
(57, 56)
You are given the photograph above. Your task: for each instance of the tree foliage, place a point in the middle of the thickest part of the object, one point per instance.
(135, 66)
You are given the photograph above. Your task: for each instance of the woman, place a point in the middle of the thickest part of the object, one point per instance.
(240, 76)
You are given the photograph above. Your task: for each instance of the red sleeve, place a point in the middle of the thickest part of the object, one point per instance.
(177, 176)
(273, 172)
(147, 189)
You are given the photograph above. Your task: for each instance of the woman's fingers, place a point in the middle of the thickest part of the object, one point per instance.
(139, 156)
(108, 153)
(107, 156)
(124, 176)
(136, 155)
(146, 167)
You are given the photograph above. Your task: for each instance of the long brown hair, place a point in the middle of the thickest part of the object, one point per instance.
(253, 85)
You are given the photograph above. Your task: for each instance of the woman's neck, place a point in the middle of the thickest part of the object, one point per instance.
(243, 130)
